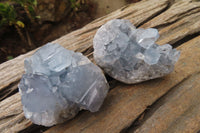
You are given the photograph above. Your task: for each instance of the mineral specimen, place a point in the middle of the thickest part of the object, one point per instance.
(58, 83)
(130, 55)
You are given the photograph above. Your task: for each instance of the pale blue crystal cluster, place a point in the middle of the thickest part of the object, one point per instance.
(131, 55)
(58, 83)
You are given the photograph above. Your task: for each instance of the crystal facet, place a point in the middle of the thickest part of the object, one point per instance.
(131, 55)
(58, 83)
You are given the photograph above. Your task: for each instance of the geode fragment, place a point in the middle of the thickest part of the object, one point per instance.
(131, 55)
(58, 83)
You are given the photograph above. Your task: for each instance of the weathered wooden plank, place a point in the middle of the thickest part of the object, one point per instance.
(80, 40)
(177, 112)
(129, 97)
(126, 102)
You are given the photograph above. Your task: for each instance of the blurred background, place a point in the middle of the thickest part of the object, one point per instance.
(28, 24)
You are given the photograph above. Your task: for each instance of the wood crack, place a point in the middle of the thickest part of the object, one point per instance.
(181, 90)
(180, 16)
(153, 107)
(8, 91)
(169, 4)
(185, 39)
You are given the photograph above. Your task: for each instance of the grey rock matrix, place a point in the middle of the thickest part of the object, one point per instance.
(58, 83)
(131, 55)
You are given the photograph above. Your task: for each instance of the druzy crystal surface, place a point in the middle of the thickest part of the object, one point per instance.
(58, 83)
(131, 55)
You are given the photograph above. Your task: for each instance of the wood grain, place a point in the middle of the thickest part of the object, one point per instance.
(11, 117)
(178, 111)
(126, 102)
(180, 20)
(177, 21)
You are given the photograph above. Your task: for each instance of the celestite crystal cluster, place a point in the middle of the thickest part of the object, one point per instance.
(131, 55)
(58, 83)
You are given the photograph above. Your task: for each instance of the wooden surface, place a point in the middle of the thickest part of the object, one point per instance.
(168, 104)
